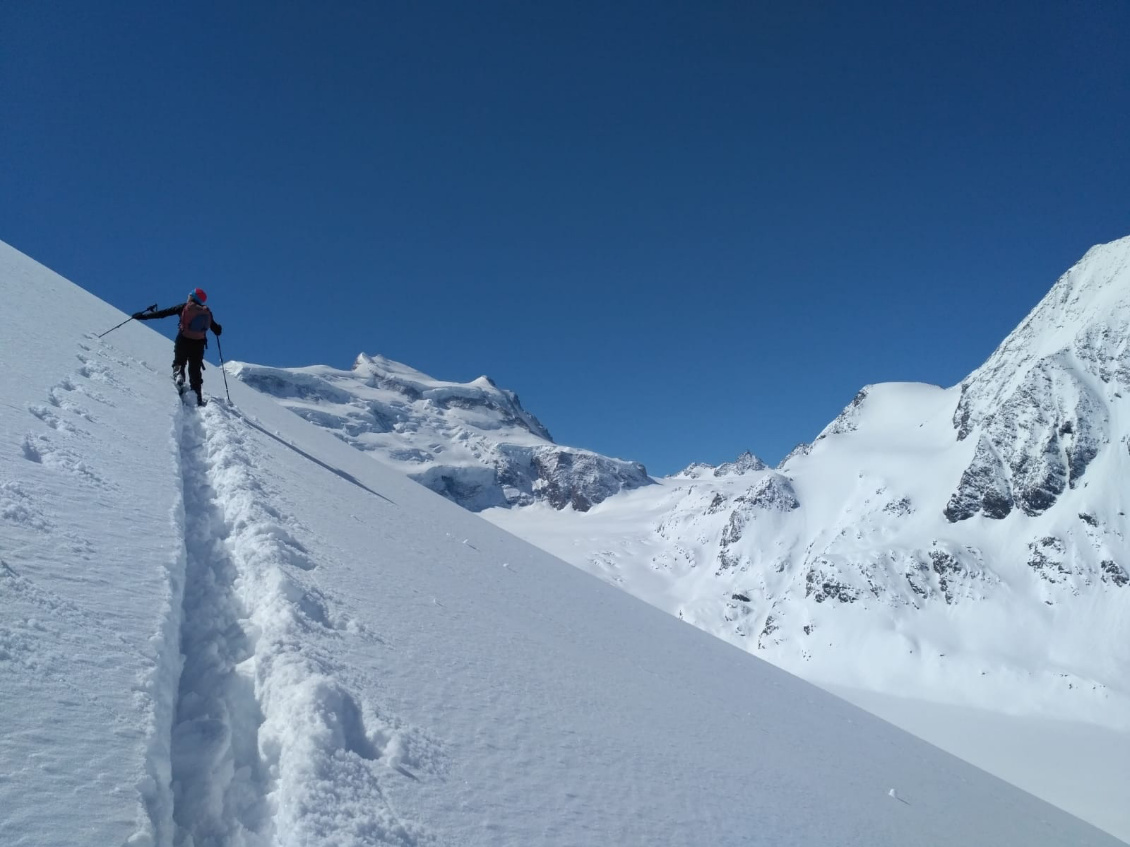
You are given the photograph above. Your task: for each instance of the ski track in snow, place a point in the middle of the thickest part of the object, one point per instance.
(265, 732)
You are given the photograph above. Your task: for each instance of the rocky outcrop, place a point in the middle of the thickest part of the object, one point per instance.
(1038, 442)
(773, 493)
(582, 479)
(744, 464)
(802, 449)
(848, 419)
(983, 488)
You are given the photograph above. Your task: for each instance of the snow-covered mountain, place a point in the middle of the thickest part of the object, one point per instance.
(473, 443)
(226, 627)
(963, 546)
(968, 543)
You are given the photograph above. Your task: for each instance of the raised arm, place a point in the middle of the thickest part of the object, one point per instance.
(164, 313)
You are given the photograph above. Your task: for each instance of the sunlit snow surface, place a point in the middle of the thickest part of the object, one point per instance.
(364, 662)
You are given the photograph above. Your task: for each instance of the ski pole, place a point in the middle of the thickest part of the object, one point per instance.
(152, 308)
(220, 350)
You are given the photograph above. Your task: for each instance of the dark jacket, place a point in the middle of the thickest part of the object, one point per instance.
(175, 310)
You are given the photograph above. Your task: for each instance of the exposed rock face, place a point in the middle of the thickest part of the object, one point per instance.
(744, 464)
(983, 488)
(1041, 403)
(473, 442)
(580, 479)
(1038, 442)
(773, 492)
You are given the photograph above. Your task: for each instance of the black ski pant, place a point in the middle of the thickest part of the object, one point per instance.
(189, 351)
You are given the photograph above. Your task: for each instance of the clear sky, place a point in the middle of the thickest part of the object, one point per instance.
(677, 230)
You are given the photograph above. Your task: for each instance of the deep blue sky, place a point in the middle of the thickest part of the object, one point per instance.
(677, 230)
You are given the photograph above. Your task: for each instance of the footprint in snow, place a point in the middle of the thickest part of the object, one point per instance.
(41, 450)
(19, 507)
(52, 420)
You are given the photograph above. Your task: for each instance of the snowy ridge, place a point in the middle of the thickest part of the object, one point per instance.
(1085, 311)
(745, 463)
(472, 443)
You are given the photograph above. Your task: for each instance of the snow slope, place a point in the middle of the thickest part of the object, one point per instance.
(1080, 767)
(229, 628)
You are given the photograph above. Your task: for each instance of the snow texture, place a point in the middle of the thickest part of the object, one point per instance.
(227, 627)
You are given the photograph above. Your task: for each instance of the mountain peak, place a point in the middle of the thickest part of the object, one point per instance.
(1040, 407)
(472, 442)
(1086, 312)
(745, 463)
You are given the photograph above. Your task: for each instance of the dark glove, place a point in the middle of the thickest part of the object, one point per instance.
(216, 328)
(139, 316)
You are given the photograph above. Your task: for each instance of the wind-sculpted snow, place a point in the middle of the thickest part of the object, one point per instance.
(472, 443)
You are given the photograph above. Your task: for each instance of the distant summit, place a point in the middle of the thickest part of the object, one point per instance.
(472, 442)
(745, 463)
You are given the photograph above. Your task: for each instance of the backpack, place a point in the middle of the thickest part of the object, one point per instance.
(195, 321)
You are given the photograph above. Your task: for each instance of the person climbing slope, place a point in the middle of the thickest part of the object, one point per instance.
(195, 321)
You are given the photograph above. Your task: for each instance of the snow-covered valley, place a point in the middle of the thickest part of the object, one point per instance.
(229, 627)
